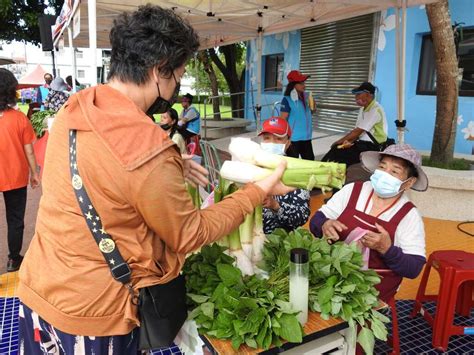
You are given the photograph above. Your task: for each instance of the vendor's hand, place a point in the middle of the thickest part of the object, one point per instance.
(345, 144)
(194, 173)
(35, 180)
(271, 203)
(331, 229)
(379, 241)
(272, 184)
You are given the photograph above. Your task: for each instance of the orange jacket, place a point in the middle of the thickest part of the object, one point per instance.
(133, 174)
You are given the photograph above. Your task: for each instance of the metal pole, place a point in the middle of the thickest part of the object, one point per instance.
(397, 53)
(73, 57)
(259, 76)
(401, 117)
(54, 64)
(91, 12)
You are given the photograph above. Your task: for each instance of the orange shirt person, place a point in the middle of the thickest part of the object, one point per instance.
(17, 164)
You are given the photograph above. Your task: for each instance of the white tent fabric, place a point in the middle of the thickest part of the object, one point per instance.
(220, 22)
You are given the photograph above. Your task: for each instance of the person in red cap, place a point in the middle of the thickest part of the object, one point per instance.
(296, 107)
(292, 210)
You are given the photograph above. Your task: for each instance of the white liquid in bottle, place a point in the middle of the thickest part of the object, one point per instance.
(299, 289)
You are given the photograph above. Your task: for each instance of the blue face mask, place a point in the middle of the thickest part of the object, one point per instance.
(385, 185)
(273, 148)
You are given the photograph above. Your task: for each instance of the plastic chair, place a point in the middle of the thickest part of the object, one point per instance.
(212, 162)
(394, 340)
(456, 270)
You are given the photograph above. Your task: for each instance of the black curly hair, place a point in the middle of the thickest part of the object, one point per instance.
(8, 84)
(147, 38)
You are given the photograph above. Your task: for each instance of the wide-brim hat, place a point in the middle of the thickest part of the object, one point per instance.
(371, 160)
(58, 84)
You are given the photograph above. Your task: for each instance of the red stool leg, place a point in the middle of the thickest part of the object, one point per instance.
(444, 308)
(395, 335)
(464, 303)
(420, 295)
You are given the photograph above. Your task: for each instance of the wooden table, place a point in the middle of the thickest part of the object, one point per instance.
(314, 329)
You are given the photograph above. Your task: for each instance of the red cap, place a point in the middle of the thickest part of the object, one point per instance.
(277, 126)
(296, 76)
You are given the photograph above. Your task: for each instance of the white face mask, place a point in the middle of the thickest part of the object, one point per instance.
(385, 185)
(273, 148)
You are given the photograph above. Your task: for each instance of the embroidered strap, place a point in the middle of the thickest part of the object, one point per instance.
(118, 267)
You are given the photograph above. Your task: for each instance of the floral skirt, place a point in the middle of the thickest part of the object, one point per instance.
(38, 337)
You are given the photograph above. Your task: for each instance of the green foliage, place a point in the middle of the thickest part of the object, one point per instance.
(245, 310)
(454, 164)
(38, 121)
(338, 286)
(202, 84)
(19, 18)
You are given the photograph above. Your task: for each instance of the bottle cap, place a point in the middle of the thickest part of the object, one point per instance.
(299, 255)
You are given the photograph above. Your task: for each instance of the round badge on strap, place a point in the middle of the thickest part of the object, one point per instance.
(76, 182)
(106, 245)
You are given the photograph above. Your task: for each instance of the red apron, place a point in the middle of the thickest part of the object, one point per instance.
(353, 218)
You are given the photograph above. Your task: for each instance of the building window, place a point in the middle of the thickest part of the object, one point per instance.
(274, 72)
(427, 71)
(79, 54)
(81, 74)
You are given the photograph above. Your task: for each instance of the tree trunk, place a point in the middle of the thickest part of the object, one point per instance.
(446, 81)
(234, 81)
(204, 58)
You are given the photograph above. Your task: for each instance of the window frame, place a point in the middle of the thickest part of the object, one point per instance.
(280, 60)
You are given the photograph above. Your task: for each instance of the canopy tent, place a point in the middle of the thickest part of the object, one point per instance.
(32, 79)
(223, 22)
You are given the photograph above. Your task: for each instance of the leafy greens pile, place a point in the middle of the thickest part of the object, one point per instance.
(338, 287)
(227, 305)
(256, 311)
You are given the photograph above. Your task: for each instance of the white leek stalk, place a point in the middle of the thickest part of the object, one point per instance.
(246, 234)
(259, 237)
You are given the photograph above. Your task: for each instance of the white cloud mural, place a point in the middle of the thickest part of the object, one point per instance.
(469, 131)
(387, 24)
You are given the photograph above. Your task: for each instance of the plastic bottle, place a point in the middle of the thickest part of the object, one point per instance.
(299, 282)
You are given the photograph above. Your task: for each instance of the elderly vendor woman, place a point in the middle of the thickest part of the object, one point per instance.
(393, 226)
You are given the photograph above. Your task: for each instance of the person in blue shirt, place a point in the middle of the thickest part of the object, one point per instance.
(296, 109)
(190, 119)
(43, 90)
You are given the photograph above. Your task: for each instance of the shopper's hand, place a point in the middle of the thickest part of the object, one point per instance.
(272, 184)
(379, 241)
(331, 229)
(271, 203)
(35, 180)
(194, 173)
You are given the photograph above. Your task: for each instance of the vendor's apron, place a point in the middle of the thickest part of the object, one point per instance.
(353, 218)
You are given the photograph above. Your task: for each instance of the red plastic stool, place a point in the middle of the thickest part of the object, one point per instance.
(456, 270)
(394, 340)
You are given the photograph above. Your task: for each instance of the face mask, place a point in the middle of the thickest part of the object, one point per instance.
(385, 185)
(273, 148)
(161, 105)
(165, 126)
(294, 95)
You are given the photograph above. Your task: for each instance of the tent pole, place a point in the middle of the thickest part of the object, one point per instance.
(259, 77)
(91, 12)
(73, 57)
(401, 117)
(398, 55)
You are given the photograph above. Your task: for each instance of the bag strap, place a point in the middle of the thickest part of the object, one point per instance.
(118, 266)
(372, 138)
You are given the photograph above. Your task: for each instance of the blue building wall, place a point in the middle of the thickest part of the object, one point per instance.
(420, 110)
(288, 44)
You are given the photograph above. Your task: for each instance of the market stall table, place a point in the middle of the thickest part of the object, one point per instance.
(320, 336)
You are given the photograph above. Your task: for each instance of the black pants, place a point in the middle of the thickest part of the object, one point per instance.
(301, 148)
(351, 155)
(15, 204)
(187, 134)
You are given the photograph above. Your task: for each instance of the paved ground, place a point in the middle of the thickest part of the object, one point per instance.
(30, 220)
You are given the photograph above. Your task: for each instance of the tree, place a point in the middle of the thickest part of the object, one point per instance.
(446, 81)
(19, 18)
(233, 71)
(203, 57)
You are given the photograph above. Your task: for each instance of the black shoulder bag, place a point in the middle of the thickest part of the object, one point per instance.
(380, 146)
(162, 308)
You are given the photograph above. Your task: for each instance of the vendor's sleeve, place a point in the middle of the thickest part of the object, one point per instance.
(285, 105)
(410, 234)
(167, 208)
(405, 265)
(316, 224)
(369, 120)
(337, 203)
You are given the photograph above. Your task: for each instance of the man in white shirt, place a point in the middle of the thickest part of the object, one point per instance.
(370, 130)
